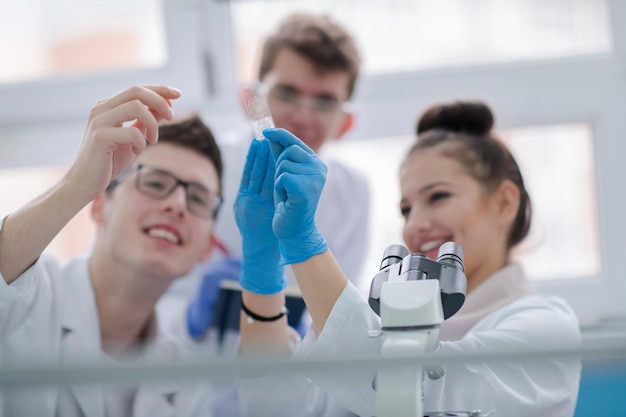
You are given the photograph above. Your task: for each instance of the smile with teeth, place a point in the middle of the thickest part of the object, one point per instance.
(164, 234)
(428, 246)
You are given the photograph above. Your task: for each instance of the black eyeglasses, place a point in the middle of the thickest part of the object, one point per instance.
(159, 184)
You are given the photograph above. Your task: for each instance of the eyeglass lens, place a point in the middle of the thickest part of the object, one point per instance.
(289, 95)
(160, 184)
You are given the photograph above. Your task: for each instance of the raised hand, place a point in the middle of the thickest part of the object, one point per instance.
(118, 129)
(254, 213)
(300, 178)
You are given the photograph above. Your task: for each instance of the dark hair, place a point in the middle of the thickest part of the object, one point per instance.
(466, 128)
(191, 133)
(319, 39)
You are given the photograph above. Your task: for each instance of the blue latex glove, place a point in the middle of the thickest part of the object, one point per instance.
(254, 211)
(300, 178)
(200, 310)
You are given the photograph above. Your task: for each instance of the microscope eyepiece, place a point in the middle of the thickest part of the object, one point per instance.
(398, 264)
(451, 254)
(392, 255)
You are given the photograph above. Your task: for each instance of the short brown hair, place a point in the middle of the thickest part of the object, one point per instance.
(191, 133)
(319, 39)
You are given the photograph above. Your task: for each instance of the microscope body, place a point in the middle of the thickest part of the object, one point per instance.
(413, 295)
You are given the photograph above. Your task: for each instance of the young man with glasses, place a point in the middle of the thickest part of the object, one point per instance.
(154, 193)
(308, 70)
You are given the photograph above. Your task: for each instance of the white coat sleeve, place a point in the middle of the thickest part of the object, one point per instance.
(15, 298)
(515, 387)
(297, 395)
(540, 386)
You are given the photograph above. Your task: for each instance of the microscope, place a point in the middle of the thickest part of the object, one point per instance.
(413, 295)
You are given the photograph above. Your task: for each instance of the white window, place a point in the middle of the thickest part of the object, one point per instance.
(399, 36)
(553, 71)
(63, 38)
(59, 57)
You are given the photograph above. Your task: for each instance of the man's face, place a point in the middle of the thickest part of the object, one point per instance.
(307, 102)
(158, 236)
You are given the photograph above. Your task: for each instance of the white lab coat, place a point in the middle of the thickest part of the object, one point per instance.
(48, 317)
(546, 387)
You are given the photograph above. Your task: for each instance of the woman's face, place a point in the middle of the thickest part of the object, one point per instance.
(442, 202)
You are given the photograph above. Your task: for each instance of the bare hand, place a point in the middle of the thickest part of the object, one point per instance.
(119, 128)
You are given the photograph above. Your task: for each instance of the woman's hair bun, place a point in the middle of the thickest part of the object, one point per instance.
(472, 117)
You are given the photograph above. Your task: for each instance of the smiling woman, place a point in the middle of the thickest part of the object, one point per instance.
(458, 183)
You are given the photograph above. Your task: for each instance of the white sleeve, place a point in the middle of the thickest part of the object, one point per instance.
(304, 396)
(513, 387)
(346, 334)
(18, 288)
(22, 288)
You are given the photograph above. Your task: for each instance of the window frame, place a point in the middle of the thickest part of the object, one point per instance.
(202, 63)
(69, 98)
(534, 93)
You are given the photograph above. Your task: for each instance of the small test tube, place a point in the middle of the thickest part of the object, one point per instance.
(255, 103)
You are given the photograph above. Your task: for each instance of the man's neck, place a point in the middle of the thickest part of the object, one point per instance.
(126, 307)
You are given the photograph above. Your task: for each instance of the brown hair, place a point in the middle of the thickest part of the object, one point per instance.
(188, 132)
(465, 128)
(192, 133)
(319, 39)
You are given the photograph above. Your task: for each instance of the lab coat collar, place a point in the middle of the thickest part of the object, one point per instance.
(80, 333)
(81, 344)
(502, 288)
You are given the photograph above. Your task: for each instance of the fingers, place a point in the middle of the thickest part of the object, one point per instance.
(298, 172)
(297, 161)
(144, 121)
(267, 189)
(157, 98)
(247, 168)
(298, 154)
(280, 139)
(143, 106)
(132, 138)
(258, 170)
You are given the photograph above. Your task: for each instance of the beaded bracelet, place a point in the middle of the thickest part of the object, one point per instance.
(253, 316)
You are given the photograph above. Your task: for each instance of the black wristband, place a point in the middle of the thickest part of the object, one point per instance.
(253, 316)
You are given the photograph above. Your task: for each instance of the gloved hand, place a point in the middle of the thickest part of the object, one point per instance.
(200, 310)
(254, 212)
(300, 178)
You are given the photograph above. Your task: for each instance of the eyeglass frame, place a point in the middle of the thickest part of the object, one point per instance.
(299, 99)
(218, 199)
